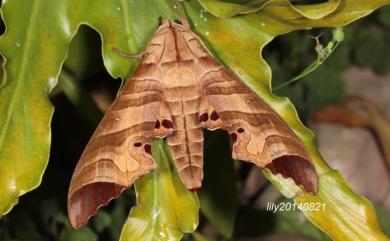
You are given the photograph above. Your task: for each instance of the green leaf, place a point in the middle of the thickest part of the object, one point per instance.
(34, 48)
(218, 195)
(227, 9)
(165, 208)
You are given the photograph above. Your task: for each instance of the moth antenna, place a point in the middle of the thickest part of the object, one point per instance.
(182, 15)
(127, 55)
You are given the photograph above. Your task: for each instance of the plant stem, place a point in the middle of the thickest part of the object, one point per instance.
(323, 54)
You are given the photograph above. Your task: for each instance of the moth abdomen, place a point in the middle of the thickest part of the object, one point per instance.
(186, 146)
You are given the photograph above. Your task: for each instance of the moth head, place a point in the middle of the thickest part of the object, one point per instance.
(169, 24)
(163, 28)
(177, 25)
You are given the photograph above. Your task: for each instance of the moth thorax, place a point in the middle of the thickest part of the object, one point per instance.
(180, 84)
(179, 76)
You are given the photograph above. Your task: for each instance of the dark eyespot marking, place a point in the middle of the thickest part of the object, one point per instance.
(157, 125)
(148, 149)
(234, 136)
(137, 144)
(240, 130)
(214, 116)
(204, 117)
(167, 124)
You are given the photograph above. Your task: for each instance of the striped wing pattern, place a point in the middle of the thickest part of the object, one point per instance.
(258, 134)
(177, 90)
(120, 149)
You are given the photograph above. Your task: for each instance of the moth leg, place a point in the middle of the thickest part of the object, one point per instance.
(164, 124)
(128, 55)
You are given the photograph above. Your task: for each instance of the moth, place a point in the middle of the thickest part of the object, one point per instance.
(177, 90)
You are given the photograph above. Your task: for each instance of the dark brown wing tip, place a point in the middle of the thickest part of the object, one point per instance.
(84, 203)
(301, 170)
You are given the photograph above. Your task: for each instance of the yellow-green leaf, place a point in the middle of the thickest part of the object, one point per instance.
(165, 208)
(33, 52)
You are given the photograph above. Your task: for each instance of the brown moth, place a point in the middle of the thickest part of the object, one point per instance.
(178, 89)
